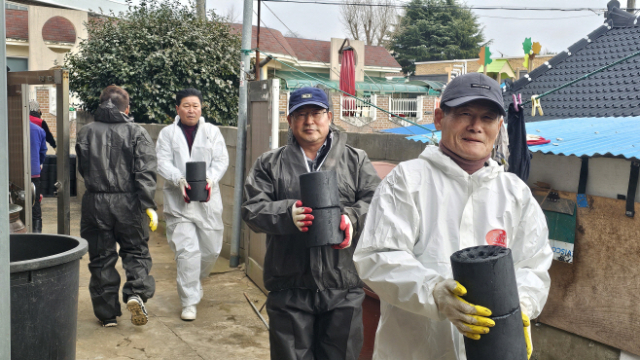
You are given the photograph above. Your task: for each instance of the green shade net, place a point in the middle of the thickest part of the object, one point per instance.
(294, 80)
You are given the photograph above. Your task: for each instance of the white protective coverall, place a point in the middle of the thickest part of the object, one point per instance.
(195, 229)
(425, 210)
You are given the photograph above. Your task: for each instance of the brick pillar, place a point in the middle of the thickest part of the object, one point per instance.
(42, 97)
(428, 108)
(283, 106)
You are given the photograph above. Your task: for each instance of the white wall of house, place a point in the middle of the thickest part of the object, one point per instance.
(17, 49)
(358, 48)
(42, 56)
(608, 177)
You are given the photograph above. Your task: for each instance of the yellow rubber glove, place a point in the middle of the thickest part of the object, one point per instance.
(153, 219)
(527, 337)
(471, 320)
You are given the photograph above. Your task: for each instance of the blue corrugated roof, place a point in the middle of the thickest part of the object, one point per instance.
(589, 136)
(579, 136)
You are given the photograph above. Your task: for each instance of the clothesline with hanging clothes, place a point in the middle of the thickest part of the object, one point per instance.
(583, 77)
(433, 138)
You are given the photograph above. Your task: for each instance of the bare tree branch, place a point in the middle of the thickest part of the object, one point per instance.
(292, 34)
(386, 17)
(368, 19)
(232, 15)
(349, 16)
(371, 24)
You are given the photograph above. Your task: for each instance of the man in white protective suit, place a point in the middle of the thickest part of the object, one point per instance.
(194, 229)
(450, 198)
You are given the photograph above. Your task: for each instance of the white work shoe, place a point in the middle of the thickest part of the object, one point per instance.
(188, 313)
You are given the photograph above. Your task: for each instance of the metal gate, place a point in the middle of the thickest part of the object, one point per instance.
(262, 111)
(19, 139)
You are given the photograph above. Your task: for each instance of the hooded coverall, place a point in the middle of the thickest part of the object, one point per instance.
(315, 299)
(425, 210)
(195, 229)
(117, 160)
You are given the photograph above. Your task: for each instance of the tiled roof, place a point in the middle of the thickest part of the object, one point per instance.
(379, 56)
(311, 50)
(17, 24)
(614, 92)
(272, 41)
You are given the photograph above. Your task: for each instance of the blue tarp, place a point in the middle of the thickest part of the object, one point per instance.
(411, 130)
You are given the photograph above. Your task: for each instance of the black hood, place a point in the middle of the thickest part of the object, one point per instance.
(108, 113)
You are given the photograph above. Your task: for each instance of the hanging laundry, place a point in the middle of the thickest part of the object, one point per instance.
(519, 154)
(500, 151)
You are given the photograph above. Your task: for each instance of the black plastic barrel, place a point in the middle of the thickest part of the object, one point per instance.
(72, 175)
(488, 274)
(49, 176)
(44, 295)
(44, 179)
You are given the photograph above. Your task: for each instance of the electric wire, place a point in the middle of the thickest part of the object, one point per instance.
(303, 43)
(405, 6)
(583, 77)
(536, 19)
(433, 138)
(314, 55)
(272, 35)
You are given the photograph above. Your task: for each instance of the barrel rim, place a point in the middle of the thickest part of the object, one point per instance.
(49, 261)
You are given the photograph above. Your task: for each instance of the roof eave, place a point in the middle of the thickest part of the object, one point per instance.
(281, 57)
(444, 61)
(383, 68)
(313, 64)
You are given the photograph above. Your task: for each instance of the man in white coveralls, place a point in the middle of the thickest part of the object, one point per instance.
(450, 198)
(194, 229)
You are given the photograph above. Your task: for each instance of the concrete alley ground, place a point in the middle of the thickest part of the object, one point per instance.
(226, 327)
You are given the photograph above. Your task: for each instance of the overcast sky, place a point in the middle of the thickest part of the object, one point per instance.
(554, 30)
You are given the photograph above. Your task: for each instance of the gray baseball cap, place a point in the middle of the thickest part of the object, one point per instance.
(470, 87)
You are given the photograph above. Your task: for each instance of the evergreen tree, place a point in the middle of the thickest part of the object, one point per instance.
(155, 49)
(436, 30)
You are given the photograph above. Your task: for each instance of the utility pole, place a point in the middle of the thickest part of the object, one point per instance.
(245, 61)
(201, 9)
(631, 6)
(258, 47)
(5, 260)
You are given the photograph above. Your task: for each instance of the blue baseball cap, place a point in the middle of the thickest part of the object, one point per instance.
(308, 96)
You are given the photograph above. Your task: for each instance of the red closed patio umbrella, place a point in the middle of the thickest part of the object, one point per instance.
(348, 71)
(348, 78)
